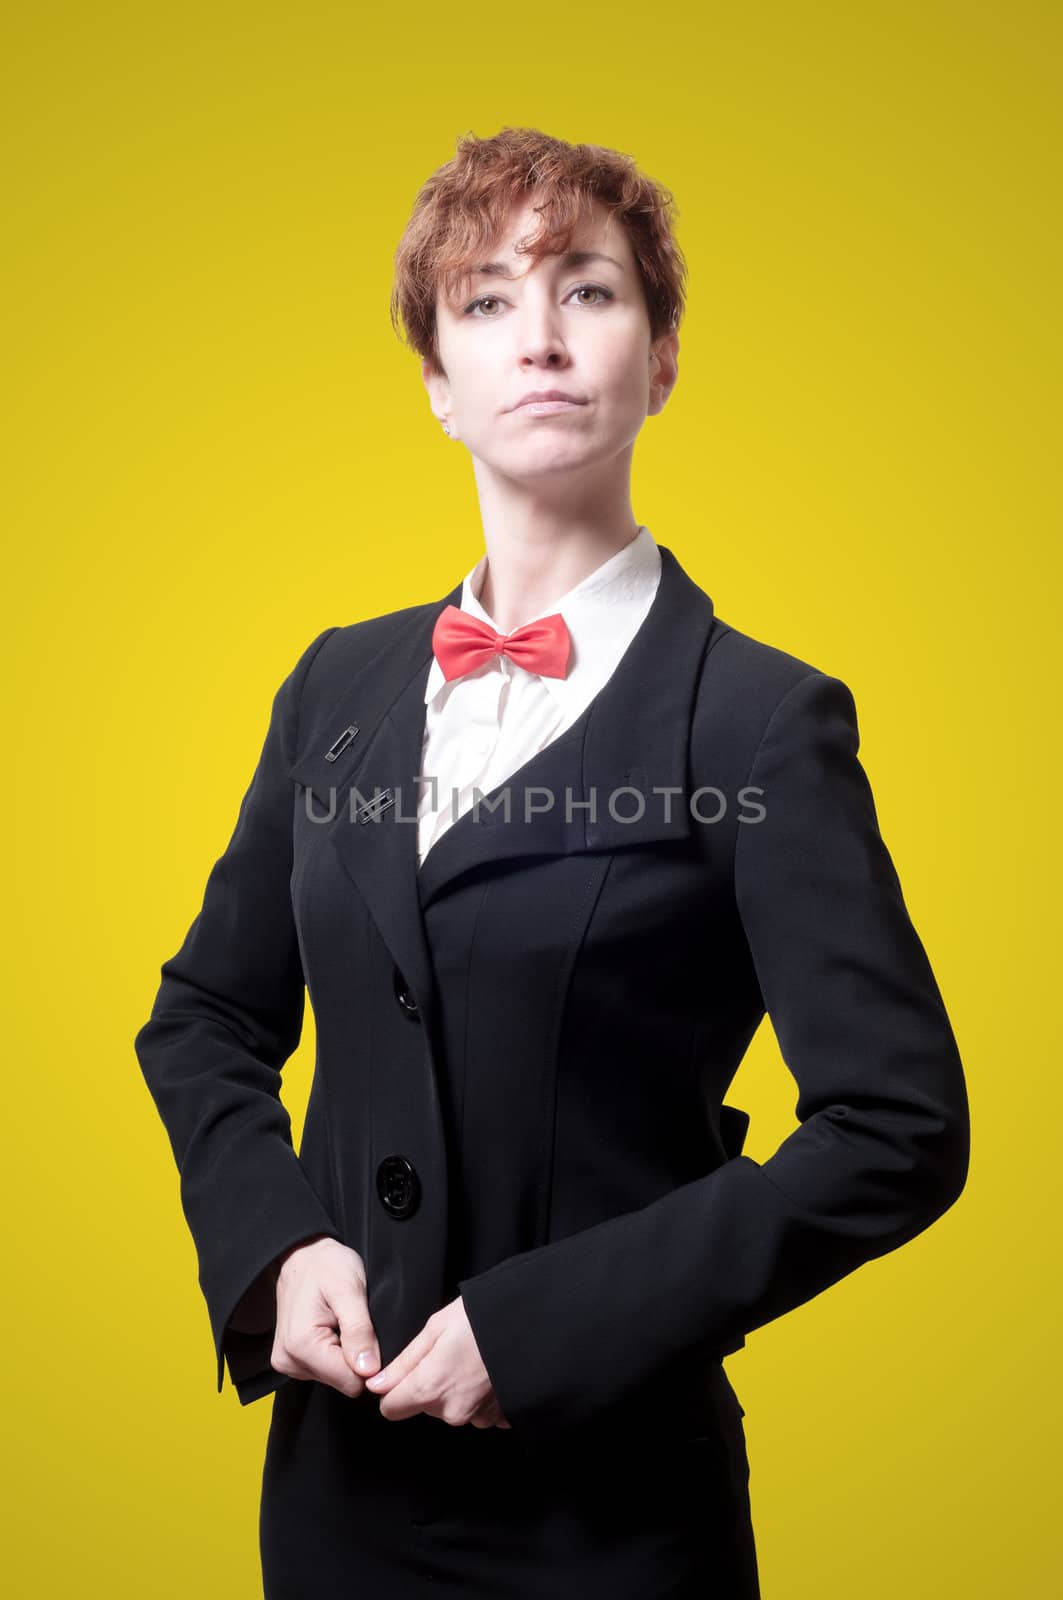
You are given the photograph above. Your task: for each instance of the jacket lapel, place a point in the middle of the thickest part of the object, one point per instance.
(359, 763)
(633, 736)
(595, 788)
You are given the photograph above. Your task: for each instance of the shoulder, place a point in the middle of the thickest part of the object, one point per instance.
(330, 662)
(337, 653)
(756, 699)
(749, 675)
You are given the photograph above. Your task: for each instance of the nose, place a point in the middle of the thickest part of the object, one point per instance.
(541, 343)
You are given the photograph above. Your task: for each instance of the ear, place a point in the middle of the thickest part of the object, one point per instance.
(664, 371)
(438, 388)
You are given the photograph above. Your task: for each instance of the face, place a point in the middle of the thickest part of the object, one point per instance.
(580, 327)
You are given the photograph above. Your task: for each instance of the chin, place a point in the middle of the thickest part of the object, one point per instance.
(546, 467)
(548, 457)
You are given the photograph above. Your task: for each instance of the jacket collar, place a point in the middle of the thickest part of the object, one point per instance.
(600, 612)
(634, 735)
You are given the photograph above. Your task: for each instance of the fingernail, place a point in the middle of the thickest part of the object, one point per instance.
(374, 1381)
(365, 1359)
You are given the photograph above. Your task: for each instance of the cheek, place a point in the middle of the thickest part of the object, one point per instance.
(482, 393)
(624, 374)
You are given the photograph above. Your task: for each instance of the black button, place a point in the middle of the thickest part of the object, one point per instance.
(398, 1186)
(404, 995)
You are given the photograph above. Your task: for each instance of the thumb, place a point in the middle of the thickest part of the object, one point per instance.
(403, 1364)
(358, 1339)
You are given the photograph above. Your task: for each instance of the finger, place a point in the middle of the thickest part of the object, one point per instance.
(304, 1365)
(485, 1413)
(316, 1350)
(328, 1365)
(284, 1362)
(489, 1415)
(404, 1363)
(358, 1338)
(412, 1394)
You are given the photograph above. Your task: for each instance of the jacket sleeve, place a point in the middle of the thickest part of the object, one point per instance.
(227, 1015)
(882, 1149)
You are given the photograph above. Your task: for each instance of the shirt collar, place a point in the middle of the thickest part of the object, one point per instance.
(601, 613)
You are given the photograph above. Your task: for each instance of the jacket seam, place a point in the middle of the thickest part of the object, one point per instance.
(468, 1018)
(337, 1213)
(814, 673)
(589, 898)
(311, 658)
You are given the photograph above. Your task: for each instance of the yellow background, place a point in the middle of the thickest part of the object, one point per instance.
(217, 448)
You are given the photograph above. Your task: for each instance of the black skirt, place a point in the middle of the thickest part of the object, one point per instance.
(359, 1508)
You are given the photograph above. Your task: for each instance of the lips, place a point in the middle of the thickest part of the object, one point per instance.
(542, 395)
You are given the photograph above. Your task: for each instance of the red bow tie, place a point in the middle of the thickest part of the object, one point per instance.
(463, 642)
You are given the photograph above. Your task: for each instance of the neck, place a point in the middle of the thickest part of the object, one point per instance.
(543, 536)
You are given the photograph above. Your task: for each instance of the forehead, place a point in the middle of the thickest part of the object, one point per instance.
(523, 221)
(597, 240)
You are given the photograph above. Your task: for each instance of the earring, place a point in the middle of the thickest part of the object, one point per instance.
(446, 428)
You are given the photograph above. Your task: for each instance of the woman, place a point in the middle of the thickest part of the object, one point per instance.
(493, 1292)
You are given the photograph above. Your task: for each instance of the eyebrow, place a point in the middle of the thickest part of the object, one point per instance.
(571, 258)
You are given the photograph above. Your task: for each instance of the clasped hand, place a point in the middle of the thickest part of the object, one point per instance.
(324, 1333)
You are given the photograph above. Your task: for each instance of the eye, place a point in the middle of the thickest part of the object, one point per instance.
(593, 288)
(484, 300)
(580, 288)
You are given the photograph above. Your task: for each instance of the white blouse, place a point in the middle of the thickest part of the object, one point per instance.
(480, 728)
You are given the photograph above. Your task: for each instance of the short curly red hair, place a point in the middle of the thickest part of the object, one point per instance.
(462, 208)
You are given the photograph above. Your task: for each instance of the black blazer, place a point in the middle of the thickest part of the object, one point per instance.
(627, 955)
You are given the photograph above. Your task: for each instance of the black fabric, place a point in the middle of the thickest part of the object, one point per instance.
(361, 1507)
(543, 1023)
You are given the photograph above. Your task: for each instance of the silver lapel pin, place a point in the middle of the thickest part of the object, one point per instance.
(372, 808)
(336, 749)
